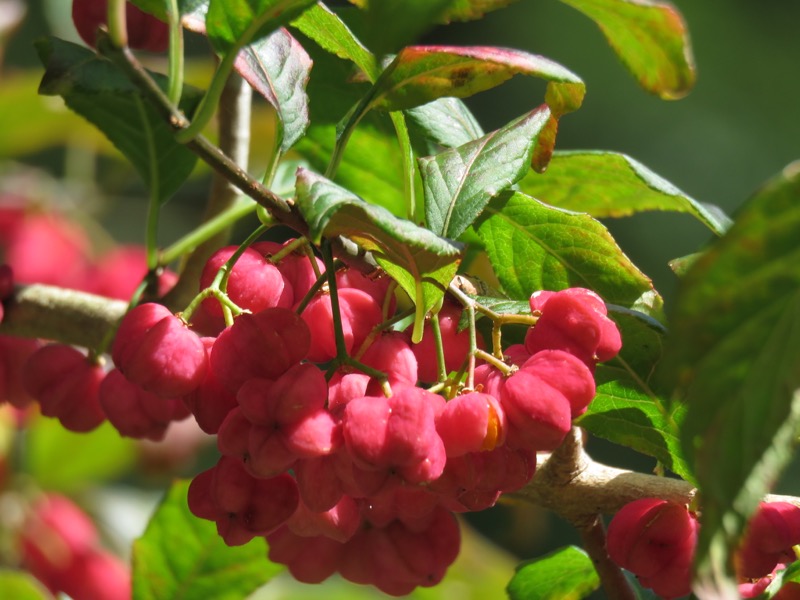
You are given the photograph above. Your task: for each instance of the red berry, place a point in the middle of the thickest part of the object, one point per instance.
(157, 351)
(360, 313)
(771, 533)
(397, 434)
(254, 283)
(53, 537)
(471, 423)
(455, 344)
(242, 506)
(66, 384)
(98, 575)
(210, 402)
(265, 344)
(574, 320)
(135, 412)
(655, 539)
(14, 353)
(539, 415)
(144, 30)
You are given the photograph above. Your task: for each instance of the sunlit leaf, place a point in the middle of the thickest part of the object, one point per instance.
(628, 409)
(422, 263)
(460, 182)
(609, 184)
(192, 11)
(420, 74)
(181, 557)
(278, 67)
(734, 355)
(371, 168)
(533, 246)
(446, 122)
(565, 574)
(95, 89)
(468, 10)
(232, 24)
(651, 39)
(329, 31)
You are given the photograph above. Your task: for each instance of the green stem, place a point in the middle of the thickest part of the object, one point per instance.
(108, 338)
(437, 340)
(175, 88)
(473, 347)
(321, 279)
(209, 153)
(219, 286)
(208, 105)
(207, 230)
(117, 23)
(499, 364)
(154, 204)
(338, 331)
(228, 266)
(376, 331)
(409, 168)
(288, 249)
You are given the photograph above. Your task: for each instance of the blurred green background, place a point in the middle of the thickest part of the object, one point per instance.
(736, 129)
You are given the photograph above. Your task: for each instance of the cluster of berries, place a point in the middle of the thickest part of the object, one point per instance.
(336, 475)
(324, 465)
(59, 545)
(655, 540)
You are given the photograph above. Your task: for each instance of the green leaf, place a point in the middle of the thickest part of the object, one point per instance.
(470, 10)
(565, 574)
(446, 122)
(278, 68)
(680, 266)
(734, 354)
(533, 246)
(232, 24)
(790, 574)
(392, 24)
(623, 413)
(420, 74)
(17, 585)
(191, 9)
(460, 182)
(371, 168)
(324, 27)
(628, 409)
(422, 263)
(181, 557)
(650, 38)
(609, 184)
(95, 89)
(93, 457)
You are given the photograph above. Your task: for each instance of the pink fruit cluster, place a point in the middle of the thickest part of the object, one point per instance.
(59, 545)
(655, 540)
(44, 247)
(336, 475)
(767, 546)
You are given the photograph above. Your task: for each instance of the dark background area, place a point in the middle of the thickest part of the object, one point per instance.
(736, 129)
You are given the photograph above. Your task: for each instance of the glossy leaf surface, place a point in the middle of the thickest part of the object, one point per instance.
(181, 557)
(650, 39)
(735, 357)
